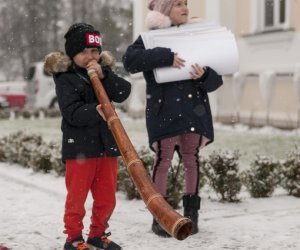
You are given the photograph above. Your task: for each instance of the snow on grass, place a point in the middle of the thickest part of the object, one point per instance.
(32, 204)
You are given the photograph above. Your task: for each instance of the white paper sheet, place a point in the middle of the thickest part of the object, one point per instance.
(204, 43)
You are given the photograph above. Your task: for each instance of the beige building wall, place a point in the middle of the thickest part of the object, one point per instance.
(243, 17)
(251, 109)
(251, 106)
(295, 15)
(197, 8)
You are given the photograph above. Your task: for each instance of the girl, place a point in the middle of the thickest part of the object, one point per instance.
(178, 114)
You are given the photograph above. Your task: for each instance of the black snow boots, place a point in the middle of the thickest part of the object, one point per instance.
(191, 205)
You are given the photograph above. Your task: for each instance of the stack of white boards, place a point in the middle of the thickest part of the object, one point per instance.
(205, 43)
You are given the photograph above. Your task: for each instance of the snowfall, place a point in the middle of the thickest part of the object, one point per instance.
(32, 206)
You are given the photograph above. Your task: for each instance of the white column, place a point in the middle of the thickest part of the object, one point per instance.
(255, 15)
(267, 80)
(296, 81)
(238, 87)
(139, 12)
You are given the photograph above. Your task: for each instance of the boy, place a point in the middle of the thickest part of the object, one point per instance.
(88, 147)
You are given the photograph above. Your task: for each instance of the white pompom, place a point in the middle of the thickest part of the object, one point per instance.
(156, 20)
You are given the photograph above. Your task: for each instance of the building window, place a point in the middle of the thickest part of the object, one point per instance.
(274, 14)
(282, 6)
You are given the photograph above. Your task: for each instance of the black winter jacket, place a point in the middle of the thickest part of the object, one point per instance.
(85, 133)
(177, 107)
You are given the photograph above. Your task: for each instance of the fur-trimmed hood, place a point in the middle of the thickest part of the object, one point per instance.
(157, 20)
(58, 62)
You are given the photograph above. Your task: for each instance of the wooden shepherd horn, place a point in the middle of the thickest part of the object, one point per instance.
(176, 225)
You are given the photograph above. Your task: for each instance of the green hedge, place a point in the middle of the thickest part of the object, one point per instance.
(219, 171)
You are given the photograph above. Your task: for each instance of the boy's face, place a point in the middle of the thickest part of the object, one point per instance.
(179, 12)
(84, 57)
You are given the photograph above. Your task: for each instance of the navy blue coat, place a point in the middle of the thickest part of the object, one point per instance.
(172, 108)
(85, 133)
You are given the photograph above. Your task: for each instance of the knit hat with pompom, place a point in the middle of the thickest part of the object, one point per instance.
(162, 6)
(158, 16)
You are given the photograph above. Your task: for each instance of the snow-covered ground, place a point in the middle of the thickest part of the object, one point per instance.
(32, 204)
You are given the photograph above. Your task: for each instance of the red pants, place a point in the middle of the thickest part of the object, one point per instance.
(98, 175)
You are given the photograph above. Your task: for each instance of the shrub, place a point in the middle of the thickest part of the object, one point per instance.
(26, 113)
(31, 151)
(175, 177)
(19, 146)
(40, 158)
(4, 114)
(175, 183)
(262, 178)
(2, 149)
(221, 169)
(10, 147)
(28, 145)
(17, 112)
(291, 173)
(52, 112)
(57, 165)
(125, 182)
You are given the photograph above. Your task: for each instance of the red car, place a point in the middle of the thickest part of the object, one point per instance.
(14, 93)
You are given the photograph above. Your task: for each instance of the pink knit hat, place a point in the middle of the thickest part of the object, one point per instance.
(162, 6)
(158, 16)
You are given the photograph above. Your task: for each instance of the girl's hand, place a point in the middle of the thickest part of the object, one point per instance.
(94, 65)
(178, 62)
(197, 72)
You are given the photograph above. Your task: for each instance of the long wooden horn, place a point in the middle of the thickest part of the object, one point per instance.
(176, 225)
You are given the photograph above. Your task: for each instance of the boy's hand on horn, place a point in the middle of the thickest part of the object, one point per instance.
(94, 65)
